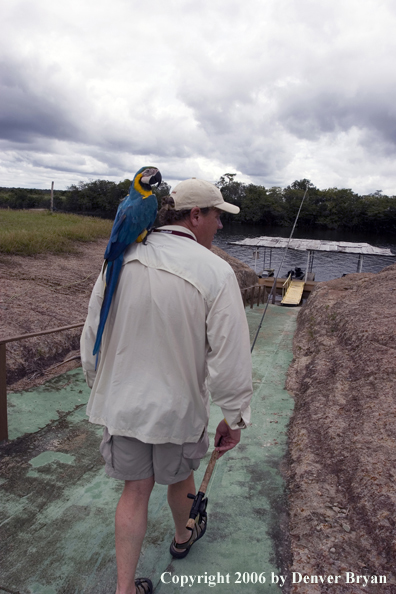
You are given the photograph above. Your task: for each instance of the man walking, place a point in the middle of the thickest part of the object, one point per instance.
(176, 331)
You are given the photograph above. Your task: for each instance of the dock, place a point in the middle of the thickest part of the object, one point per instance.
(259, 294)
(293, 293)
(310, 246)
(57, 505)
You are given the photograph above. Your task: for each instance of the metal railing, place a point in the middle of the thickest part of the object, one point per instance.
(3, 371)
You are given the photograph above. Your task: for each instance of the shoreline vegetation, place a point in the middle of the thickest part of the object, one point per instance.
(331, 208)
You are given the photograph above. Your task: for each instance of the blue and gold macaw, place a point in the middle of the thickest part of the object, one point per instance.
(135, 216)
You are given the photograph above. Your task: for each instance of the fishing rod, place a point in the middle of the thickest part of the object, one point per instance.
(198, 509)
(279, 269)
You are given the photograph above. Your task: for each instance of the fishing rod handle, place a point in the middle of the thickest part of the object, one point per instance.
(208, 471)
(204, 485)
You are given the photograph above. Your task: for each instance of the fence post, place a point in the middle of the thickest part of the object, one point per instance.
(274, 293)
(3, 394)
(52, 197)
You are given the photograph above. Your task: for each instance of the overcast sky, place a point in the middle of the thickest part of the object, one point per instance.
(273, 90)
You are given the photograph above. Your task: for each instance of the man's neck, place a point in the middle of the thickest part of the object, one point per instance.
(185, 224)
(177, 230)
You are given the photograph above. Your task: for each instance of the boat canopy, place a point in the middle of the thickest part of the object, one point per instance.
(316, 245)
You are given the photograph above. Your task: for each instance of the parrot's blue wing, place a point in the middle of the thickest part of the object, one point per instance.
(135, 215)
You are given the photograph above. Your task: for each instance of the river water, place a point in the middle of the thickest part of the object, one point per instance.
(326, 266)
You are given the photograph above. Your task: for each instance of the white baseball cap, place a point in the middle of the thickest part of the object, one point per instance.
(198, 192)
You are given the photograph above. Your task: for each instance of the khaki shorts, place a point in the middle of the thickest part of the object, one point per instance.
(129, 459)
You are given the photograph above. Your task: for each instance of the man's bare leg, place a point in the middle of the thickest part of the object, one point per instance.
(130, 528)
(180, 506)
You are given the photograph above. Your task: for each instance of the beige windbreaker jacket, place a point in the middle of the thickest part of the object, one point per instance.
(176, 331)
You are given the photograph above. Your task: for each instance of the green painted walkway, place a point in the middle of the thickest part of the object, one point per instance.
(57, 505)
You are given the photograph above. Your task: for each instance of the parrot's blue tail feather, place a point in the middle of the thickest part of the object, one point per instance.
(112, 274)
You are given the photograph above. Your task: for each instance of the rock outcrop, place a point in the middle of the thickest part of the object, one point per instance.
(342, 436)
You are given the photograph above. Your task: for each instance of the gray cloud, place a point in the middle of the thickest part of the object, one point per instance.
(26, 112)
(311, 115)
(274, 91)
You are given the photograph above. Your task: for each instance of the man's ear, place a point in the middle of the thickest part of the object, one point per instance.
(194, 216)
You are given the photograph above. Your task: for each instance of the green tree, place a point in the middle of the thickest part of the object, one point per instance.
(292, 198)
(379, 213)
(341, 208)
(232, 191)
(97, 196)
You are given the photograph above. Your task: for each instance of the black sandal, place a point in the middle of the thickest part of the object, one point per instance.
(181, 550)
(143, 586)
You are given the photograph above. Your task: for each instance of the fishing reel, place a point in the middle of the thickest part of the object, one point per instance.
(198, 509)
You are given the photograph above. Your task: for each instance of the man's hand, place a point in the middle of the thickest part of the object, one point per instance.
(226, 438)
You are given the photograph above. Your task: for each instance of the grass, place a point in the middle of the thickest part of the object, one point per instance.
(27, 233)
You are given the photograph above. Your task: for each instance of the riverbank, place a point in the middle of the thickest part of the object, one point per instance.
(342, 436)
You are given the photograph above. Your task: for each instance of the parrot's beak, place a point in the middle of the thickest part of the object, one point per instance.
(151, 180)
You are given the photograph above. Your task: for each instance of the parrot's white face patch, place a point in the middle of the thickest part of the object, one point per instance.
(150, 176)
(149, 172)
